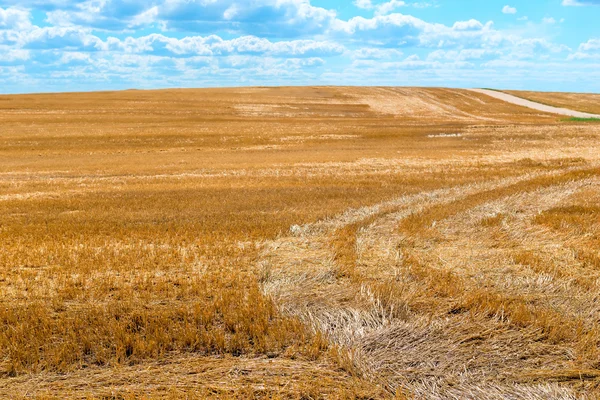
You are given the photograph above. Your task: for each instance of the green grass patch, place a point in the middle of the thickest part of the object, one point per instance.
(577, 119)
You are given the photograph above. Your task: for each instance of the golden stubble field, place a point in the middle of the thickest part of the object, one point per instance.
(296, 243)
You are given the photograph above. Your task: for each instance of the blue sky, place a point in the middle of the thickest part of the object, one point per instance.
(64, 45)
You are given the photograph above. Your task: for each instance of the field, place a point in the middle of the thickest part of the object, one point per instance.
(297, 243)
(584, 102)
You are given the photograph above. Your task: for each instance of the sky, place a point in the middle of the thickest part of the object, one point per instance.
(65, 45)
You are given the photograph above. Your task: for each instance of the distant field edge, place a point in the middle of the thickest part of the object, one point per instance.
(562, 106)
(581, 102)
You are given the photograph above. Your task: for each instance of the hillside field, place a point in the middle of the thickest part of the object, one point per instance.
(297, 243)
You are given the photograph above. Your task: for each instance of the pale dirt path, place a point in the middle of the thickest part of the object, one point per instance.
(533, 105)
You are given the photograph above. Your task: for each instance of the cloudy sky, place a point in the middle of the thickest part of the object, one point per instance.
(65, 45)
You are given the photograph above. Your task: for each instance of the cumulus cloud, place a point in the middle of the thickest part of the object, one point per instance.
(283, 18)
(393, 27)
(590, 45)
(74, 39)
(589, 50)
(8, 55)
(470, 25)
(509, 10)
(14, 18)
(214, 45)
(364, 4)
(61, 38)
(401, 30)
(388, 7)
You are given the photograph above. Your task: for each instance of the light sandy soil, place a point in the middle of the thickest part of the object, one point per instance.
(536, 106)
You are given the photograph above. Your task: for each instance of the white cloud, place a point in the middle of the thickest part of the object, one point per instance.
(145, 18)
(530, 48)
(374, 53)
(388, 7)
(75, 57)
(590, 45)
(549, 20)
(231, 12)
(509, 10)
(462, 55)
(589, 50)
(61, 38)
(14, 18)
(410, 63)
(400, 31)
(273, 18)
(215, 46)
(470, 25)
(386, 27)
(583, 56)
(8, 54)
(364, 4)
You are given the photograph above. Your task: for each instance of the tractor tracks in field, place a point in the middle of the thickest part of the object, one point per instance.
(424, 298)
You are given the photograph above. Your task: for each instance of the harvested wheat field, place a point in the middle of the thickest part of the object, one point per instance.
(297, 243)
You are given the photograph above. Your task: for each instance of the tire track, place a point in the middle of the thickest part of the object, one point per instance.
(392, 336)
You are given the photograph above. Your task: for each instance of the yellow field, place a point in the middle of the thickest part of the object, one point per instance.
(584, 102)
(296, 243)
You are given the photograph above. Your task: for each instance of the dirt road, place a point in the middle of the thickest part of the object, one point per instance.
(536, 106)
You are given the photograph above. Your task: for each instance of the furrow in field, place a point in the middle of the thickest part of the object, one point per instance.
(500, 347)
(381, 295)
